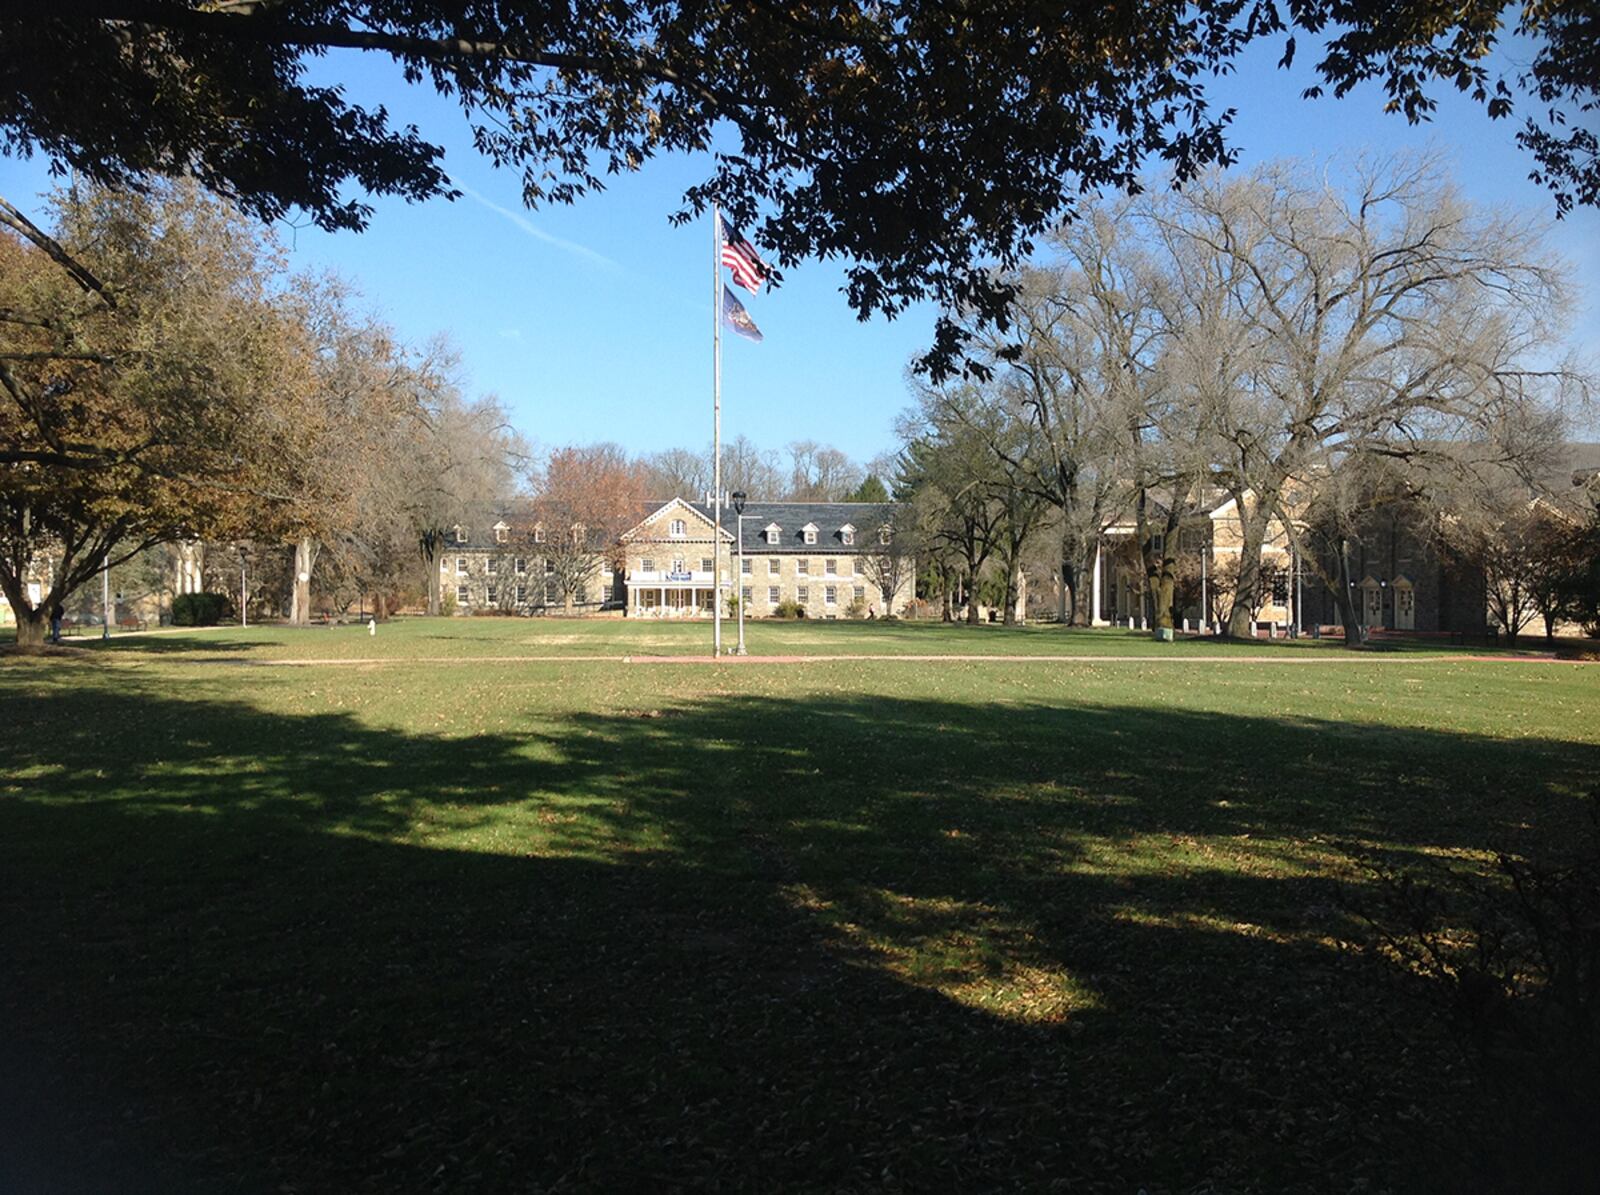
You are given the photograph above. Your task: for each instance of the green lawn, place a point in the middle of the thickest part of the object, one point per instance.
(457, 638)
(445, 922)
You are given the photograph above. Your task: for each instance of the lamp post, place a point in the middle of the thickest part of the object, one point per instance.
(738, 522)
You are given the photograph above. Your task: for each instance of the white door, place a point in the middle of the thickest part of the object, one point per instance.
(1405, 607)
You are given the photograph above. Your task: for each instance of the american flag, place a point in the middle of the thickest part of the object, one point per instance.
(740, 257)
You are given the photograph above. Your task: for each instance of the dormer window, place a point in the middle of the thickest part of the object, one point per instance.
(678, 529)
(810, 532)
(461, 536)
(538, 533)
(847, 535)
(501, 533)
(885, 534)
(773, 532)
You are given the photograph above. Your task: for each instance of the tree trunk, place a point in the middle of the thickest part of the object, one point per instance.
(433, 585)
(1166, 584)
(305, 559)
(947, 613)
(972, 597)
(1342, 597)
(380, 606)
(1010, 618)
(567, 605)
(32, 626)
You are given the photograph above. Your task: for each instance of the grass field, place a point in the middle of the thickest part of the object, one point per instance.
(428, 918)
(442, 640)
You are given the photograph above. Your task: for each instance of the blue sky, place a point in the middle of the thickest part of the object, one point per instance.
(592, 322)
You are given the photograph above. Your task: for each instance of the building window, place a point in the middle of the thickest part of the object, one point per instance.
(522, 594)
(861, 593)
(747, 566)
(677, 565)
(830, 595)
(461, 595)
(885, 534)
(538, 533)
(847, 537)
(772, 595)
(802, 595)
(461, 536)
(461, 566)
(500, 533)
(803, 565)
(774, 566)
(707, 564)
(647, 566)
(549, 567)
(772, 533)
(811, 535)
(493, 595)
(744, 595)
(522, 565)
(492, 566)
(831, 568)
(679, 529)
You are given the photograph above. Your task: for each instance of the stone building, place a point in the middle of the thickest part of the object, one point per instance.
(1210, 544)
(505, 561)
(830, 559)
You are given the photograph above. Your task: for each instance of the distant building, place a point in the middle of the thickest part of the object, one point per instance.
(826, 558)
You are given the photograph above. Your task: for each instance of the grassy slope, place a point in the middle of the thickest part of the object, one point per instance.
(420, 927)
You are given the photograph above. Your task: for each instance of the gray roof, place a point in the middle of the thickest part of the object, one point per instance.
(516, 513)
(791, 518)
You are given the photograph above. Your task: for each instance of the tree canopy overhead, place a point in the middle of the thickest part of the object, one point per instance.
(919, 140)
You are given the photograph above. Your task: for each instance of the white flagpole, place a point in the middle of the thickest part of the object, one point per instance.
(716, 431)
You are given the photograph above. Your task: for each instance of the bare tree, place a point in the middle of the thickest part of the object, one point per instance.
(750, 469)
(1385, 317)
(679, 473)
(891, 554)
(820, 473)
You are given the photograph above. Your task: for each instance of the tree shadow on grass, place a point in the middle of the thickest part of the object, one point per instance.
(180, 644)
(833, 942)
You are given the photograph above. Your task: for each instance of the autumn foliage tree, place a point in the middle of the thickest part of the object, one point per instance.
(585, 498)
(153, 406)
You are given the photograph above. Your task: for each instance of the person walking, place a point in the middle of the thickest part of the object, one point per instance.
(55, 623)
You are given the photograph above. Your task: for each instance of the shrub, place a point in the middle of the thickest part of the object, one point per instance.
(200, 609)
(789, 609)
(447, 604)
(857, 608)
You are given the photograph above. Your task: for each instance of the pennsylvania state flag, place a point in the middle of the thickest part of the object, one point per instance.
(736, 317)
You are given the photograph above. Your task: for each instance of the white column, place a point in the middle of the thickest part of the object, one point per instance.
(1094, 588)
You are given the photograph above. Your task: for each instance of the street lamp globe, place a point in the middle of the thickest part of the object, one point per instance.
(738, 501)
